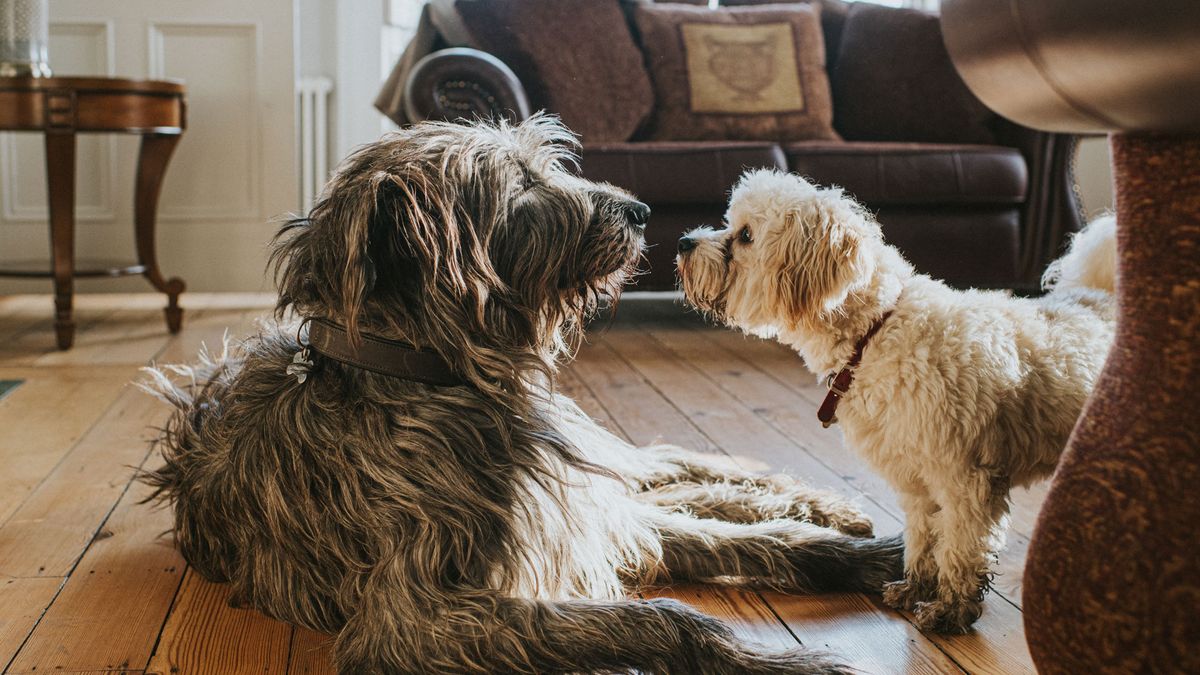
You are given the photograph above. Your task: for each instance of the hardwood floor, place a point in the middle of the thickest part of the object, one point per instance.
(89, 584)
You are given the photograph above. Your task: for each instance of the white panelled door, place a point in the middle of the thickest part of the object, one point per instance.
(234, 172)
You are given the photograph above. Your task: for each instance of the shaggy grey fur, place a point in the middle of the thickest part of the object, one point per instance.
(490, 527)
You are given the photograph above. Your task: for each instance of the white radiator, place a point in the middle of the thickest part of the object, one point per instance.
(312, 113)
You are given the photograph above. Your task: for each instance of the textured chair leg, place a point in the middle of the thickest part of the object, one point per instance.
(1112, 582)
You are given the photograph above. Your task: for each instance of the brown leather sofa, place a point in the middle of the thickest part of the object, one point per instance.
(984, 203)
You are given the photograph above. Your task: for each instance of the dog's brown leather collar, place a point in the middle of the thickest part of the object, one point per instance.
(839, 383)
(379, 355)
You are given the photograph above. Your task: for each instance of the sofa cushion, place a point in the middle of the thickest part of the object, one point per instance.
(962, 245)
(894, 81)
(914, 173)
(833, 18)
(598, 85)
(744, 73)
(678, 173)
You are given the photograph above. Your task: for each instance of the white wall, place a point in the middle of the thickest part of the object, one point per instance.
(1093, 173)
(232, 173)
(225, 189)
(355, 43)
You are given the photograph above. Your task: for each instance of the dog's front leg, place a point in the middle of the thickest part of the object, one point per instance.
(484, 633)
(920, 538)
(782, 554)
(966, 527)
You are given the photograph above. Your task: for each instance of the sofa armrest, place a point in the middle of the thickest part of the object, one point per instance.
(463, 83)
(1052, 210)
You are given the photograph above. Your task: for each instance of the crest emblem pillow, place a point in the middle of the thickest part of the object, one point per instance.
(747, 73)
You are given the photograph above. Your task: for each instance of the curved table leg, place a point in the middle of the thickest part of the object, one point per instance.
(153, 157)
(60, 185)
(1112, 582)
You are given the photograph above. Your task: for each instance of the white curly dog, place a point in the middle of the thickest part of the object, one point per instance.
(959, 395)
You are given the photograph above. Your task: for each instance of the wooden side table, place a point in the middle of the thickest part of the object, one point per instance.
(61, 107)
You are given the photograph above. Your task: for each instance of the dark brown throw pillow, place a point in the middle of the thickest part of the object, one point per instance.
(740, 73)
(576, 58)
(894, 81)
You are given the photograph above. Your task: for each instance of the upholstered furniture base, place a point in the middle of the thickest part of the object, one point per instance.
(1112, 582)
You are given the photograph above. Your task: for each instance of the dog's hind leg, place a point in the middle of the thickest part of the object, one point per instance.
(713, 486)
(781, 554)
(762, 498)
(483, 633)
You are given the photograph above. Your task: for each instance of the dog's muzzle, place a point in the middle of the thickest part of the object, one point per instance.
(637, 213)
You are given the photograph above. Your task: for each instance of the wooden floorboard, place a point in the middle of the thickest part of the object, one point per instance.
(22, 602)
(860, 631)
(129, 570)
(51, 529)
(112, 608)
(310, 653)
(750, 617)
(206, 635)
(43, 419)
(88, 584)
(746, 612)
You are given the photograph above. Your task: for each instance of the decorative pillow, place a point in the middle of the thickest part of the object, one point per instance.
(576, 58)
(894, 81)
(833, 17)
(744, 73)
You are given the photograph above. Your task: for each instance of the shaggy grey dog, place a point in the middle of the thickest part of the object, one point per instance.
(490, 526)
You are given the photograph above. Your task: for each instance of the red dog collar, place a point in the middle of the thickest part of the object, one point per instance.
(839, 383)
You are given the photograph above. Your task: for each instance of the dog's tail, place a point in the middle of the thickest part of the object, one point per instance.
(189, 390)
(1091, 261)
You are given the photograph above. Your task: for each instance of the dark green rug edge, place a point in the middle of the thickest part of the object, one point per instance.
(7, 386)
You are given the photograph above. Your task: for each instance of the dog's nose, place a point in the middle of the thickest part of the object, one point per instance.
(637, 213)
(686, 244)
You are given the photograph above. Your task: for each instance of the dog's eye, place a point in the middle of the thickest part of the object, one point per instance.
(744, 236)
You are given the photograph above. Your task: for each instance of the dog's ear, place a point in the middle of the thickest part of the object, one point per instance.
(321, 261)
(382, 237)
(813, 258)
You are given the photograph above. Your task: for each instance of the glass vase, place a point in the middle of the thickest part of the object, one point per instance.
(24, 38)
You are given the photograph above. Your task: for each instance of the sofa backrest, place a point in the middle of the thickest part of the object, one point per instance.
(893, 80)
(576, 58)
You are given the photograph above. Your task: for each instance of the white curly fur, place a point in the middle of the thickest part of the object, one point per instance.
(960, 396)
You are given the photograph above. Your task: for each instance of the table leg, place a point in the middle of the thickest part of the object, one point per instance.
(60, 183)
(153, 157)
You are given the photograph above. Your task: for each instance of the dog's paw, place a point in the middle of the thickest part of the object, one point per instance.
(950, 618)
(906, 594)
(849, 520)
(841, 515)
